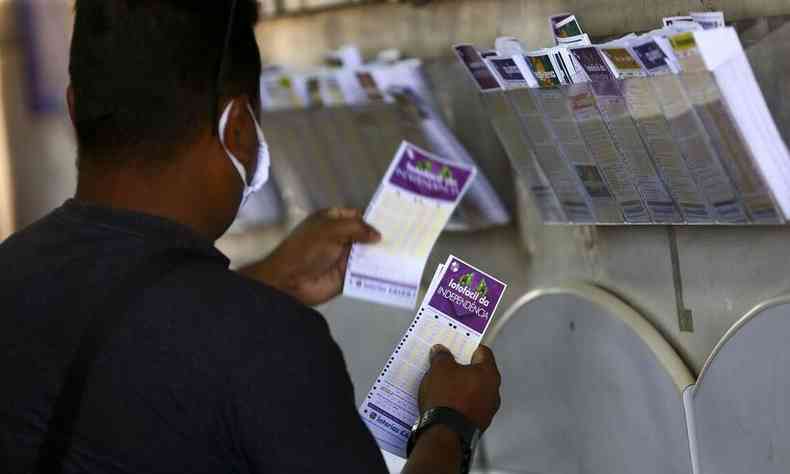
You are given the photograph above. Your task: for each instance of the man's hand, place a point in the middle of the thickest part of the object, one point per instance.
(310, 264)
(473, 389)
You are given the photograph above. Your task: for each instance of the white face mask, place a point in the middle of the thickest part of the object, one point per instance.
(261, 170)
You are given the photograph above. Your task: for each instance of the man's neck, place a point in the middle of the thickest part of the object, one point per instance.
(161, 192)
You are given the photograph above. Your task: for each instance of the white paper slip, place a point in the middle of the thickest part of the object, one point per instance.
(456, 313)
(411, 207)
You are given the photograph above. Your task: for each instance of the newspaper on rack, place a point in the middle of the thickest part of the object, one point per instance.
(690, 133)
(567, 30)
(338, 121)
(509, 130)
(475, 65)
(760, 158)
(657, 116)
(544, 68)
(616, 170)
(456, 312)
(706, 97)
(573, 149)
(656, 133)
(602, 115)
(613, 102)
(562, 141)
(537, 68)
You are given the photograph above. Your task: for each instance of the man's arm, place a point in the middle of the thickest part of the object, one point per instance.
(437, 452)
(472, 390)
(294, 406)
(310, 264)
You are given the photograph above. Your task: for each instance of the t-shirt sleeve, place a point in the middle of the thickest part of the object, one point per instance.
(295, 408)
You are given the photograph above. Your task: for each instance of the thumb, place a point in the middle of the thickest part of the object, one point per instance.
(440, 352)
(483, 356)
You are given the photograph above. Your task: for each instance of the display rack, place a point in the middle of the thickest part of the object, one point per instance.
(336, 156)
(697, 146)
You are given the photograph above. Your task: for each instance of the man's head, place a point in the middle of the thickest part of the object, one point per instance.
(150, 78)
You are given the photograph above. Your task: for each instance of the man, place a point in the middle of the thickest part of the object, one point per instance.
(201, 369)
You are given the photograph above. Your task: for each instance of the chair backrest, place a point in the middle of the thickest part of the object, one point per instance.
(588, 386)
(741, 403)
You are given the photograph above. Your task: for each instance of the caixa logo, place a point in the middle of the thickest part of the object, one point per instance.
(396, 430)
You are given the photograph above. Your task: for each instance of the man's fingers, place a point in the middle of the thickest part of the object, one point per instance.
(353, 230)
(440, 353)
(343, 213)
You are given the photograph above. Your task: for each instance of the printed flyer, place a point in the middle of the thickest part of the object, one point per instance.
(507, 72)
(476, 66)
(456, 312)
(543, 67)
(603, 81)
(411, 207)
(624, 62)
(567, 31)
(652, 57)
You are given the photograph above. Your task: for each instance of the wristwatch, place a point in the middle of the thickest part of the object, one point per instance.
(468, 433)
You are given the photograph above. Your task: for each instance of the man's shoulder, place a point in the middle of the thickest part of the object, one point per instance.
(236, 303)
(28, 238)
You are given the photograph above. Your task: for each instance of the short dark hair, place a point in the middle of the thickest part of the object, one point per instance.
(145, 72)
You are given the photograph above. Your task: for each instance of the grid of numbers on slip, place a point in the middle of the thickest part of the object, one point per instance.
(407, 223)
(412, 353)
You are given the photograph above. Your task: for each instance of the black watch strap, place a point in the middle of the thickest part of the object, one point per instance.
(467, 432)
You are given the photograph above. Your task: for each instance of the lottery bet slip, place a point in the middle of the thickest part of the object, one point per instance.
(456, 312)
(410, 209)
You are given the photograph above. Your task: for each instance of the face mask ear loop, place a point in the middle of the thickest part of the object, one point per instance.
(261, 175)
(223, 123)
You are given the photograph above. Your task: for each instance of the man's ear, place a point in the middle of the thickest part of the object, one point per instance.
(70, 102)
